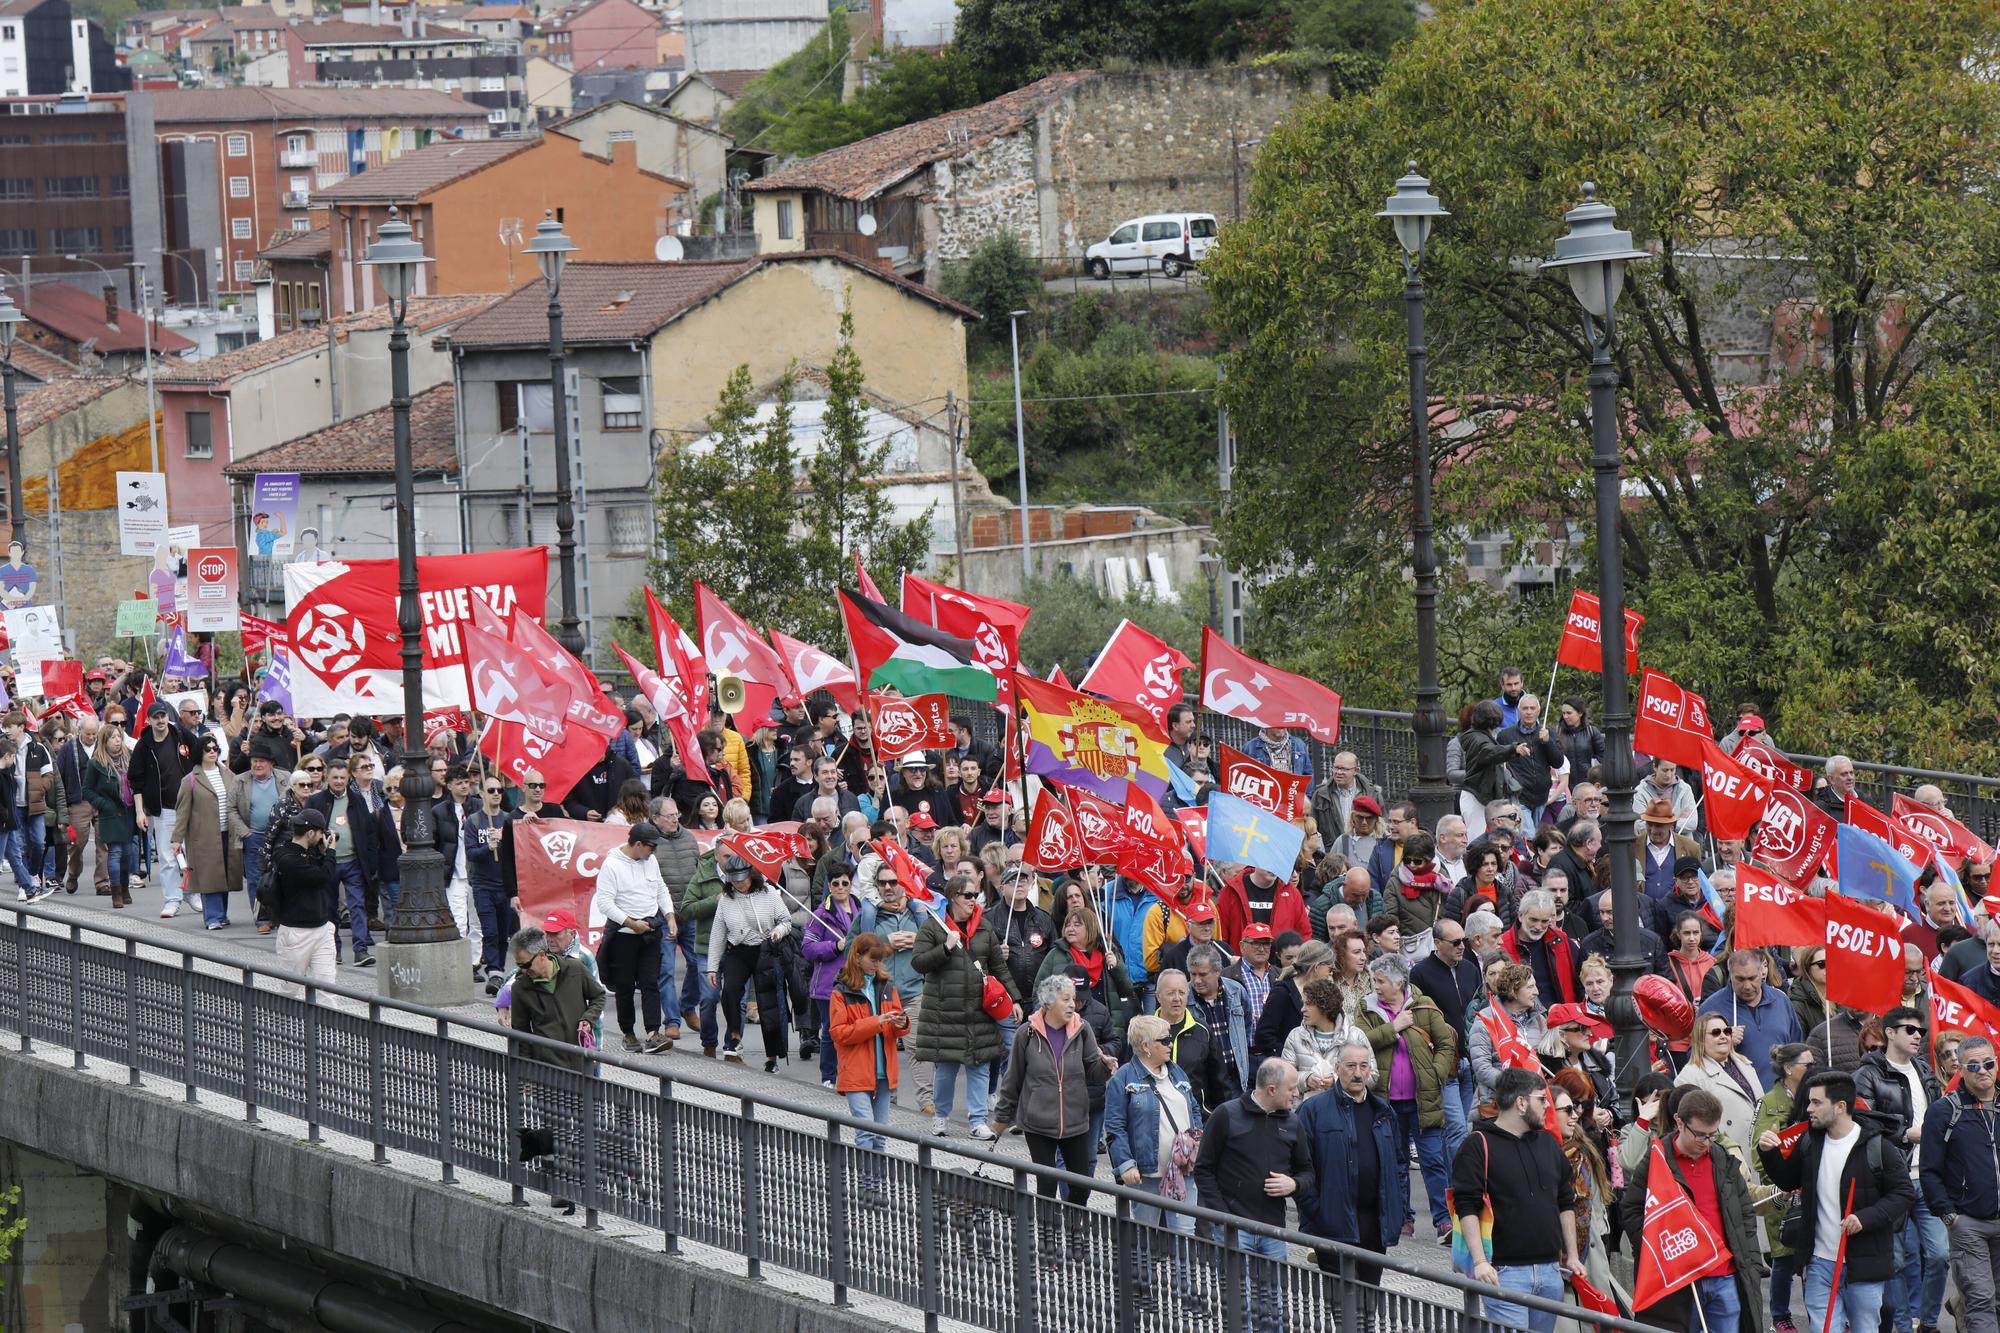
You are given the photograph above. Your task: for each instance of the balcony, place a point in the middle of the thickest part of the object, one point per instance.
(298, 157)
(299, 200)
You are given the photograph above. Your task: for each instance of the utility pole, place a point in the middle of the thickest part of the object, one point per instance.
(957, 500)
(1225, 469)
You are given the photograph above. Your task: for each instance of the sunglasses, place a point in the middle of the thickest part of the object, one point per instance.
(492, 791)
(315, 768)
(535, 786)
(1908, 1029)
(1979, 1066)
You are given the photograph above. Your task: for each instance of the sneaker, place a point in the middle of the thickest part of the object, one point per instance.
(170, 911)
(479, 973)
(827, 1083)
(213, 925)
(672, 1032)
(631, 1042)
(733, 1053)
(657, 1042)
(1445, 1233)
(362, 959)
(1783, 1325)
(492, 984)
(771, 1065)
(940, 1128)
(40, 892)
(984, 1133)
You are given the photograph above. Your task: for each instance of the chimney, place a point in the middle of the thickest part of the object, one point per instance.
(110, 305)
(375, 12)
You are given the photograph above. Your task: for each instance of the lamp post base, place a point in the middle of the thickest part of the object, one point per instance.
(436, 974)
(1433, 803)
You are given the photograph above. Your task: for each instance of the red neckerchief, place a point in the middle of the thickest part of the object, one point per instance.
(1092, 963)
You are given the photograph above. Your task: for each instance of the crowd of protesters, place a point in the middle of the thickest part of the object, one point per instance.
(1413, 1000)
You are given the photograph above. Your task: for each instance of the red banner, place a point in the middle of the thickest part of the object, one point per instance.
(1582, 644)
(556, 863)
(1794, 837)
(1100, 825)
(1864, 956)
(1237, 685)
(1942, 832)
(1672, 721)
(767, 848)
(1676, 1246)
(907, 725)
(1770, 911)
(1135, 667)
(1776, 770)
(259, 634)
(1053, 843)
(1194, 824)
(1736, 796)
(1283, 794)
(1954, 1008)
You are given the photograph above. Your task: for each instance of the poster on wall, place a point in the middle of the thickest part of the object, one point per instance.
(274, 514)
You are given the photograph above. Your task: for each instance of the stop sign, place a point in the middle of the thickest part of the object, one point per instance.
(212, 569)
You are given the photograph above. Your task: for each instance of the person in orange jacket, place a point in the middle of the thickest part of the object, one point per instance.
(865, 1015)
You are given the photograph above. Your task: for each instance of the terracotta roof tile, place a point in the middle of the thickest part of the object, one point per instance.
(181, 106)
(39, 364)
(426, 313)
(731, 82)
(414, 175)
(78, 315)
(314, 244)
(43, 403)
(365, 446)
(339, 32)
(865, 168)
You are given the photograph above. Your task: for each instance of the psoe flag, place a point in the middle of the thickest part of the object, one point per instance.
(1097, 745)
(1871, 868)
(1241, 834)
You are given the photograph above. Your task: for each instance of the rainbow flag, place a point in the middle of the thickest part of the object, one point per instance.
(1100, 745)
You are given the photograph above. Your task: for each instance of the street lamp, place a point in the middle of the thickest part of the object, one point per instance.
(1021, 447)
(1592, 256)
(424, 959)
(552, 249)
(1412, 210)
(11, 319)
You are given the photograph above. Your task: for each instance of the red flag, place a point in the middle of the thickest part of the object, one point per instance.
(905, 725)
(1194, 824)
(507, 683)
(679, 725)
(1956, 1008)
(1770, 911)
(1913, 847)
(991, 624)
(1794, 837)
(1055, 676)
(589, 707)
(1591, 1299)
(811, 669)
(1777, 771)
(146, 701)
(866, 584)
(1135, 667)
(1672, 722)
(1864, 956)
(61, 677)
(1736, 796)
(1283, 794)
(1676, 1246)
(443, 721)
(680, 662)
(1582, 644)
(914, 881)
(733, 648)
(259, 634)
(1941, 831)
(1100, 825)
(556, 863)
(1052, 838)
(767, 848)
(1146, 822)
(517, 751)
(1790, 1138)
(1237, 685)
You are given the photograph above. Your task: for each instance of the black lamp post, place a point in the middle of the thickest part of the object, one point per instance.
(423, 951)
(1593, 255)
(1411, 210)
(552, 249)
(11, 319)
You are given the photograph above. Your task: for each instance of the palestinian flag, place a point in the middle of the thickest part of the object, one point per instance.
(892, 650)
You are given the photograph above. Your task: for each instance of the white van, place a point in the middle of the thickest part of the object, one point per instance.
(1172, 242)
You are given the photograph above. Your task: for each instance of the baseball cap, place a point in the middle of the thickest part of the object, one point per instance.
(922, 819)
(559, 920)
(310, 819)
(1203, 912)
(159, 710)
(994, 797)
(1750, 722)
(644, 831)
(1561, 1015)
(1018, 871)
(97, 675)
(1687, 865)
(791, 701)
(733, 868)
(1257, 930)
(1367, 805)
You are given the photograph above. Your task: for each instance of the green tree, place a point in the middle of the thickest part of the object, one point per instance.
(911, 85)
(1368, 26)
(812, 71)
(1791, 166)
(12, 1225)
(999, 278)
(845, 510)
(1009, 43)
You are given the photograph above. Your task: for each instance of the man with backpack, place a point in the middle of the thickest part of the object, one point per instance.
(1511, 1167)
(1855, 1194)
(1959, 1165)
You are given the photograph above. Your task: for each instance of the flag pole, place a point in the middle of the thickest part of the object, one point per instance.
(1839, 1258)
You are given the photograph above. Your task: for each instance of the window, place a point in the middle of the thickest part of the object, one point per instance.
(507, 404)
(239, 229)
(296, 143)
(121, 187)
(624, 408)
(239, 187)
(7, 32)
(69, 187)
(489, 83)
(77, 240)
(121, 240)
(69, 137)
(784, 219)
(1202, 229)
(302, 224)
(300, 185)
(631, 529)
(17, 187)
(624, 136)
(18, 241)
(245, 270)
(283, 293)
(314, 307)
(1125, 235)
(200, 439)
(1162, 231)
(239, 145)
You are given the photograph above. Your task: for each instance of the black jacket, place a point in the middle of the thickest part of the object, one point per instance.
(1284, 1009)
(1888, 1093)
(1206, 1062)
(596, 792)
(363, 823)
(158, 766)
(1513, 1172)
(1583, 747)
(1451, 989)
(1535, 770)
(301, 887)
(1739, 1237)
(1883, 1195)
(1028, 936)
(1959, 1157)
(1242, 1144)
(1651, 947)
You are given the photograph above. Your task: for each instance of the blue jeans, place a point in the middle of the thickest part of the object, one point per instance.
(24, 848)
(253, 867)
(1544, 1280)
(347, 878)
(1923, 1253)
(1860, 1306)
(1460, 1097)
(1174, 1251)
(215, 909)
(1264, 1302)
(670, 995)
(944, 1091)
(1430, 1157)
(125, 860)
(998, 1069)
(1720, 1305)
(497, 924)
(697, 996)
(1784, 1271)
(871, 1106)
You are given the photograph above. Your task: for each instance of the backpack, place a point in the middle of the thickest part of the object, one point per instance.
(1796, 1230)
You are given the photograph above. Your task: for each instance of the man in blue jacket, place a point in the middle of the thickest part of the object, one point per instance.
(1759, 1011)
(1959, 1167)
(1361, 1190)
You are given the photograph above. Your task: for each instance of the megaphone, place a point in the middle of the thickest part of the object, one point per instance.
(730, 695)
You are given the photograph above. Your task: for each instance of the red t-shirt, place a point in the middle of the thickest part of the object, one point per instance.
(1700, 1175)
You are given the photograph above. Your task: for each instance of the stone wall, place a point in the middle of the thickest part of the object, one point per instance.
(989, 190)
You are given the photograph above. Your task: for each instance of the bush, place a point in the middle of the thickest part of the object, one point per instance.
(1073, 619)
(999, 278)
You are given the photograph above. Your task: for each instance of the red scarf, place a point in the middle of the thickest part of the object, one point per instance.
(1092, 963)
(1415, 885)
(969, 927)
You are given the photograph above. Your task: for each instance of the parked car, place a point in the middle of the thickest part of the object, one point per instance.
(1174, 242)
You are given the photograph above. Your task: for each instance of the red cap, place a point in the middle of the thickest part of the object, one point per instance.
(1562, 1015)
(790, 701)
(97, 675)
(1367, 805)
(1257, 930)
(922, 820)
(994, 797)
(1201, 911)
(559, 920)
(1750, 722)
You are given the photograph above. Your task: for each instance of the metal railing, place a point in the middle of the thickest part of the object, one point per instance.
(949, 1234)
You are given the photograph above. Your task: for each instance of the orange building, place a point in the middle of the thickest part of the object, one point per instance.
(474, 205)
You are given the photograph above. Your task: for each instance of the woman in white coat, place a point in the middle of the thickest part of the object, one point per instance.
(1714, 1064)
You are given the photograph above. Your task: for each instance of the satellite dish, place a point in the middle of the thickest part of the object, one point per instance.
(667, 249)
(865, 224)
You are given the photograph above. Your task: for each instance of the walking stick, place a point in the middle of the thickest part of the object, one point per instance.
(1839, 1259)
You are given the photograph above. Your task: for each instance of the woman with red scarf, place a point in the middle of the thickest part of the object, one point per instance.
(1081, 950)
(958, 953)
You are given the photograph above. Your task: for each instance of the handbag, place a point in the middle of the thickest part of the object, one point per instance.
(1462, 1258)
(994, 998)
(1180, 1156)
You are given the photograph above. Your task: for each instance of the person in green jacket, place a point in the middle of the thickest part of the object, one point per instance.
(109, 790)
(1791, 1062)
(1416, 1054)
(697, 912)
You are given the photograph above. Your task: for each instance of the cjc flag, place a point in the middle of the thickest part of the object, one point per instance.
(732, 647)
(1582, 644)
(1139, 668)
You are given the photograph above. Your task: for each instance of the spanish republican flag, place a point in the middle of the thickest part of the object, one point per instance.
(1099, 745)
(895, 651)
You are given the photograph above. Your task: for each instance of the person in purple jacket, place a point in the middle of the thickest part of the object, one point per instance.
(828, 933)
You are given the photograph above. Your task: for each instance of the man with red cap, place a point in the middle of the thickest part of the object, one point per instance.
(1200, 928)
(992, 826)
(923, 838)
(1253, 970)
(566, 938)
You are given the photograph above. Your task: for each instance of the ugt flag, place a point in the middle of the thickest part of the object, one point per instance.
(1239, 833)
